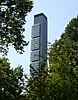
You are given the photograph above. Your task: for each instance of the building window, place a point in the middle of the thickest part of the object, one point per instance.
(35, 30)
(35, 55)
(35, 43)
(35, 64)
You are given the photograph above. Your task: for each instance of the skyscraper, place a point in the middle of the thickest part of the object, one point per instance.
(39, 40)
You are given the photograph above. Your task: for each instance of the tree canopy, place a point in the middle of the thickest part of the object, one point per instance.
(12, 82)
(12, 19)
(64, 62)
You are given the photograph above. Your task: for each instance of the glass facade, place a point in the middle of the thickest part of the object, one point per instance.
(35, 30)
(36, 64)
(38, 40)
(34, 56)
(35, 43)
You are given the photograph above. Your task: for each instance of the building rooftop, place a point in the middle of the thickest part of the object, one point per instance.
(40, 14)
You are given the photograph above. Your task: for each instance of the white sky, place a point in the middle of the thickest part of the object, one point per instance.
(58, 12)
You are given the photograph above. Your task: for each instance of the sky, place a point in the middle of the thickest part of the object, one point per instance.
(58, 12)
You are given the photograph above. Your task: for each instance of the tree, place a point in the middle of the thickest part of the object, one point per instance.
(12, 19)
(12, 82)
(37, 84)
(64, 63)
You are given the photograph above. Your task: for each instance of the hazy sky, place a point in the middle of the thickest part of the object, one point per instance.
(58, 12)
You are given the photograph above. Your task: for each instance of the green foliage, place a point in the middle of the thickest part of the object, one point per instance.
(12, 82)
(12, 19)
(64, 63)
(37, 84)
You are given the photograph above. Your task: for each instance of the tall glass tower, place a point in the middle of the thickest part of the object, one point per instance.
(39, 40)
